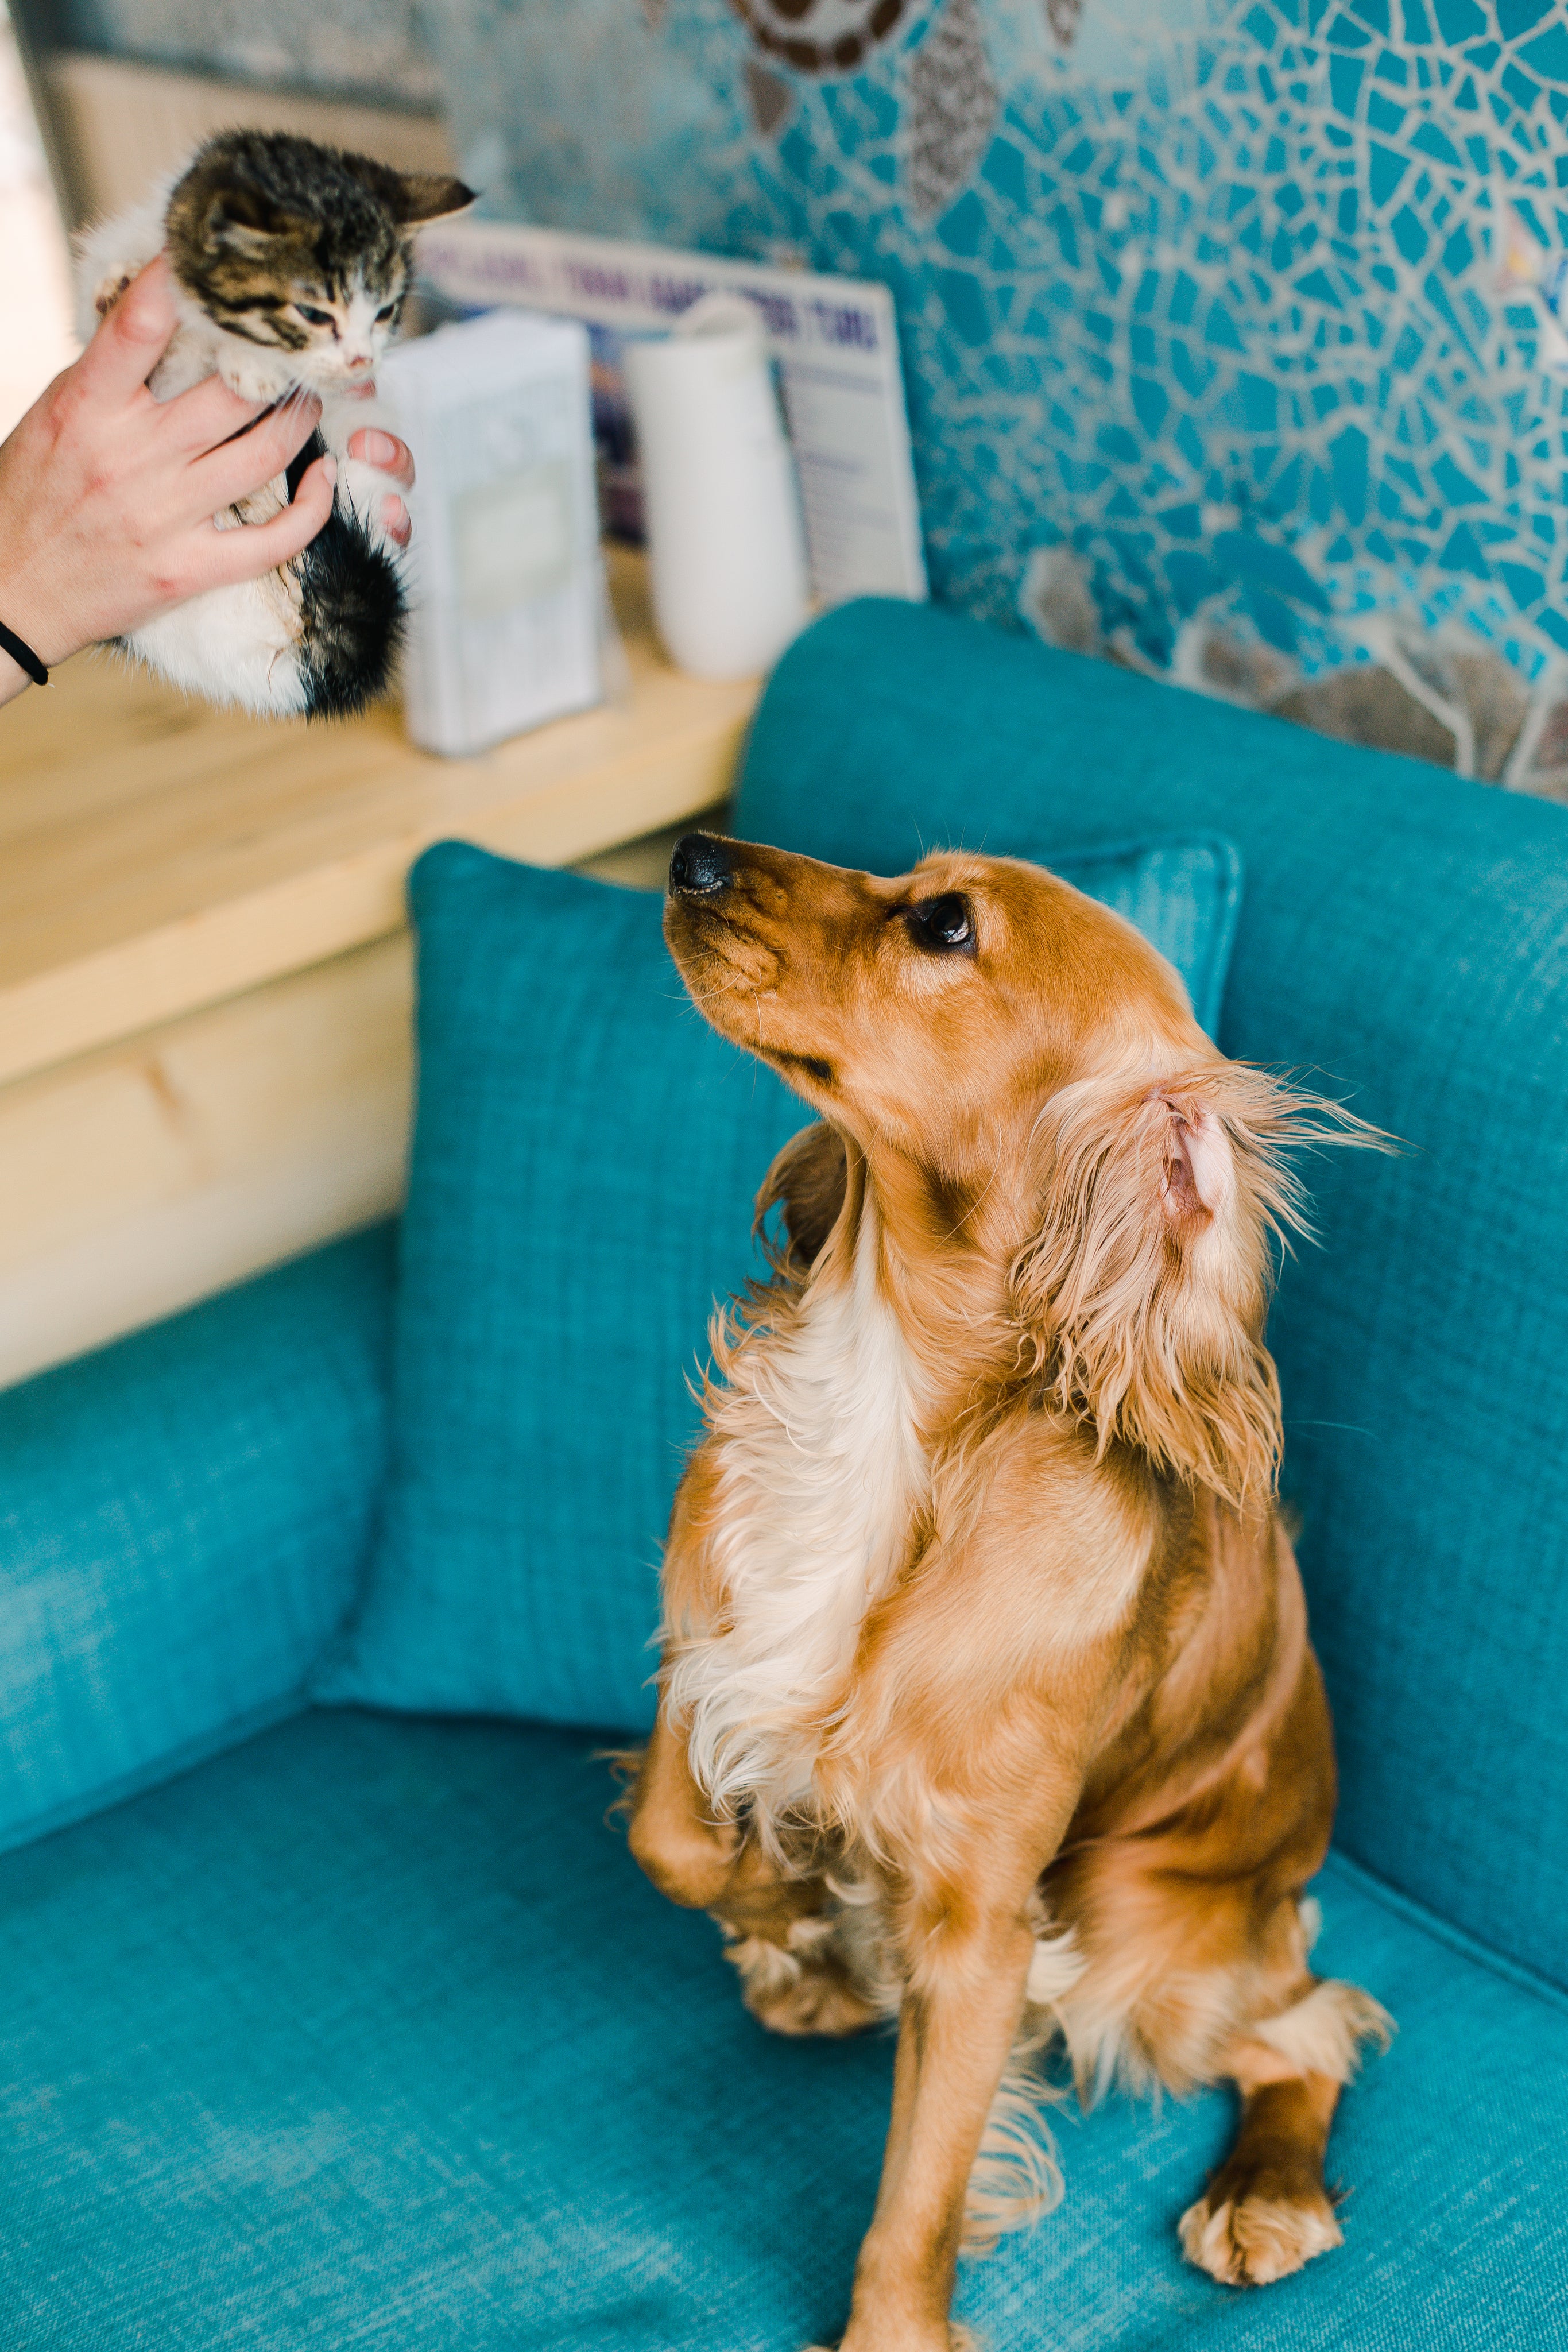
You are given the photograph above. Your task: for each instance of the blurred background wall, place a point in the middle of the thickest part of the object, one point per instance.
(37, 340)
(331, 47)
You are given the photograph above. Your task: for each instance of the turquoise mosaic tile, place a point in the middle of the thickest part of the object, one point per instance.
(1216, 293)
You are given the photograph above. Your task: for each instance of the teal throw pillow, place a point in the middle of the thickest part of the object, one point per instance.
(586, 1155)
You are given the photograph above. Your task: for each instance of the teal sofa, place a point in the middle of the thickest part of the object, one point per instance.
(320, 2027)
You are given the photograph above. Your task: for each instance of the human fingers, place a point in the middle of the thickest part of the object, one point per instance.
(131, 339)
(243, 463)
(385, 452)
(244, 554)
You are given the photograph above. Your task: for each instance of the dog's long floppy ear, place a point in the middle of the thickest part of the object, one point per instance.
(806, 1183)
(1146, 1288)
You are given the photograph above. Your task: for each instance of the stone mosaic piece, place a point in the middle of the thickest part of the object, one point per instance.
(1062, 16)
(1539, 760)
(819, 37)
(952, 103)
(772, 99)
(1058, 602)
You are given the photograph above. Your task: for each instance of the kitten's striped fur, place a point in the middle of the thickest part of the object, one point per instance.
(291, 263)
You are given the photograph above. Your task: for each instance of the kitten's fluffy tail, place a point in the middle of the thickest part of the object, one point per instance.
(351, 608)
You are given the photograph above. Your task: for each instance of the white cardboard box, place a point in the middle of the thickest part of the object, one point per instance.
(504, 595)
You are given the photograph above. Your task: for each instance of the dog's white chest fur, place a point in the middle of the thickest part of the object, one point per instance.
(821, 1471)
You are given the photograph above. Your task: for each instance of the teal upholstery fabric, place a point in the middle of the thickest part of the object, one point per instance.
(370, 2035)
(183, 1521)
(1405, 934)
(586, 1155)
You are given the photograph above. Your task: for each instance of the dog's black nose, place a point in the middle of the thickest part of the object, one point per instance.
(700, 866)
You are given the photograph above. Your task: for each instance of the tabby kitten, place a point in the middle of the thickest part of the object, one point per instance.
(291, 263)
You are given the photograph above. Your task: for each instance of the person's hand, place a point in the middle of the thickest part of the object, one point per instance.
(107, 496)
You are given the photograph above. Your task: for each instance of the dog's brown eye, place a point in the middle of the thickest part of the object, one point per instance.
(943, 923)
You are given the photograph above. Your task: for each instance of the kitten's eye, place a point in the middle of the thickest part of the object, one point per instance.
(385, 311)
(943, 924)
(314, 317)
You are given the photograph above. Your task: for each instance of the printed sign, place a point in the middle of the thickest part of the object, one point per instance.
(834, 340)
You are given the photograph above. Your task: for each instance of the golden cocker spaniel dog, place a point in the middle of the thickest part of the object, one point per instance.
(987, 1701)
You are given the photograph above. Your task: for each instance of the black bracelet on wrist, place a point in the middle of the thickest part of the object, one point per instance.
(21, 653)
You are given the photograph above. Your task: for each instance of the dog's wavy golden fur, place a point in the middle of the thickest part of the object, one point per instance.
(986, 1700)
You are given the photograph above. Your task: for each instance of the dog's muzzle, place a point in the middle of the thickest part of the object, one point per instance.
(700, 867)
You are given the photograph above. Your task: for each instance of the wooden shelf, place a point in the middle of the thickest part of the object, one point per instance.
(156, 855)
(206, 975)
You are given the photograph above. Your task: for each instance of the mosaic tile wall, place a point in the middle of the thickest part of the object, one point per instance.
(1246, 309)
(1212, 292)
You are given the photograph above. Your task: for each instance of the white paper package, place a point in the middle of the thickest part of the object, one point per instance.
(505, 591)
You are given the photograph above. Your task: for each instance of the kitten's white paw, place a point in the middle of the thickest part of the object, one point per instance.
(258, 380)
(365, 490)
(110, 287)
(260, 507)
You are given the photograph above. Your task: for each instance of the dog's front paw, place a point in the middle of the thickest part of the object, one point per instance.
(805, 1989)
(820, 2000)
(1252, 2238)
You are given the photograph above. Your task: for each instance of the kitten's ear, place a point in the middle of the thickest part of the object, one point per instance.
(419, 196)
(411, 197)
(242, 219)
(240, 236)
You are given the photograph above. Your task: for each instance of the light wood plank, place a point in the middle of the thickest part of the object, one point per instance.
(144, 1176)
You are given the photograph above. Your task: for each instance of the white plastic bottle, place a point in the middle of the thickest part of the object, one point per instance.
(726, 551)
